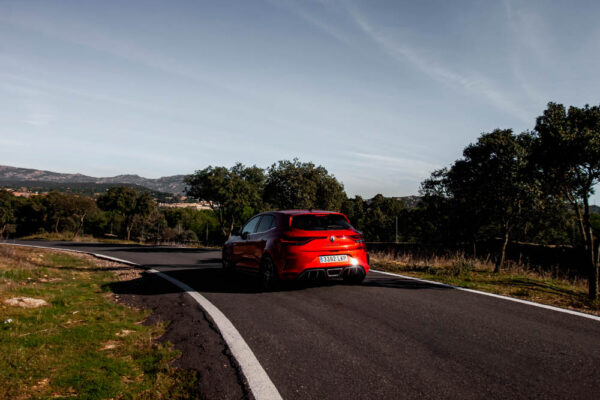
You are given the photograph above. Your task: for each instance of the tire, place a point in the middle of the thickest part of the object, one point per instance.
(225, 262)
(268, 274)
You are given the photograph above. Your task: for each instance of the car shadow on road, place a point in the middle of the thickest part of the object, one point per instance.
(216, 280)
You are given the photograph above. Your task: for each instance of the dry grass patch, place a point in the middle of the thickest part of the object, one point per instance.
(514, 280)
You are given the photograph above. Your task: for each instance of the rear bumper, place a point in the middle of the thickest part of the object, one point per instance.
(320, 274)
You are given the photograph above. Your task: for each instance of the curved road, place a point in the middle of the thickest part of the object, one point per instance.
(390, 337)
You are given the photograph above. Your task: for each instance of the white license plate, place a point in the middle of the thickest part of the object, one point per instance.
(333, 259)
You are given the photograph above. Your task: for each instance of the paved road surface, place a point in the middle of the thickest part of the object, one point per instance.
(390, 337)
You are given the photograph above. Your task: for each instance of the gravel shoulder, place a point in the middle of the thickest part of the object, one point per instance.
(189, 330)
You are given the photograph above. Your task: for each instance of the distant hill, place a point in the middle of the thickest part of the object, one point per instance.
(85, 188)
(169, 184)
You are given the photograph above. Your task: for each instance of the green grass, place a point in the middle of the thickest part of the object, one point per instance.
(513, 281)
(68, 236)
(83, 345)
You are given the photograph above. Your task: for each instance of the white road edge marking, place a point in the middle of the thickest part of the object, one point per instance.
(531, 303)
(259, 382)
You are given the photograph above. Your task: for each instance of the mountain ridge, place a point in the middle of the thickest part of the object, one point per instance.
(169, 184)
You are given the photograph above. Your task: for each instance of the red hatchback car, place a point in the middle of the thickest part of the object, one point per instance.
(298, 244)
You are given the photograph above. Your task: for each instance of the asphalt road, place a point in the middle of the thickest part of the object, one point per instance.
(390, 337)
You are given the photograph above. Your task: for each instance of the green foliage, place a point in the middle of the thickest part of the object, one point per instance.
(235, 194)
(376, 218)
(491, 189)
(7, 212)
(188, 222)
(568, 155)
(297, 185)
(129, 209)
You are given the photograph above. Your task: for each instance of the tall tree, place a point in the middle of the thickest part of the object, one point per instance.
(293, 184)
(127, 203)
(380, 218)
(568, 153)
(7, 212)
(233, 194)
(80, 207)
(492, 186)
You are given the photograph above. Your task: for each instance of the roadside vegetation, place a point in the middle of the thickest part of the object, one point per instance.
(80, 343)
(519, 281)
(532, 187)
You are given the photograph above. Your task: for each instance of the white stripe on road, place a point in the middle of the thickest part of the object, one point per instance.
(530, 303)
(259, 382)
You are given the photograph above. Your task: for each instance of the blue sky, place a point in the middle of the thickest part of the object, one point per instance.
(381, 93)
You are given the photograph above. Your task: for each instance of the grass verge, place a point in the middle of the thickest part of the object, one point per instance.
(513, 281)
(68, 237)
(82, 344)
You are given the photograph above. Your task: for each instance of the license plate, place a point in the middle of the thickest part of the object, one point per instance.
(333, 259)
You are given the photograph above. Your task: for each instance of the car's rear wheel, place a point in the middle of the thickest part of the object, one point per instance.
(268, 274)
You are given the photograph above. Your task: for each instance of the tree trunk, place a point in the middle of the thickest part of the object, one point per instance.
(500, 260)
(228, 234)
(128, 229)
(591, 251)
(580, 218)
(81, 220)
(56, 225)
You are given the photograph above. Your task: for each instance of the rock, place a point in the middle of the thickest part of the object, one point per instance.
(26, 302)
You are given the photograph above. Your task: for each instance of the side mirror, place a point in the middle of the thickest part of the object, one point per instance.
(244, 235)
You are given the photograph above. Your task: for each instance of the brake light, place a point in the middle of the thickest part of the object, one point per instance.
(357, 238)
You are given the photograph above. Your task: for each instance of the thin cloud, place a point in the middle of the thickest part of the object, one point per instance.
(528, 40)
(313, 20)
(402, 52)
(86, 35)
(409, 167)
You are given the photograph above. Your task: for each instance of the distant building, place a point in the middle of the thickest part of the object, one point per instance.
(23, 192)
(202, 205)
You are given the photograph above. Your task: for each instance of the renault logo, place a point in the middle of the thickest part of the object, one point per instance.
(332, 239)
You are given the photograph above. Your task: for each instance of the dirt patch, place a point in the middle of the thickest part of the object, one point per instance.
(26, 302)
(189, 330)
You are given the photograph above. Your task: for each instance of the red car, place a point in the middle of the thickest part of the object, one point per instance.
(298, 244)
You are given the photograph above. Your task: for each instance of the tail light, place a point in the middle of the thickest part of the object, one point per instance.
(358, 239)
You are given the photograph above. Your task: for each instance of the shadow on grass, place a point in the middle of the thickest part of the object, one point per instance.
(525, 283)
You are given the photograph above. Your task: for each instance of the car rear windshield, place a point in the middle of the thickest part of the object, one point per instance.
(311, 222)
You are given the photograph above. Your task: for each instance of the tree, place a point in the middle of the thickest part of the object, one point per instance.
(568, 155)
(234, 194)
(55, 210)
(380, 218)
(79, 207)
(7, 214)
(492, 186)
(292, 184)
(354, 209)
(127, 203)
